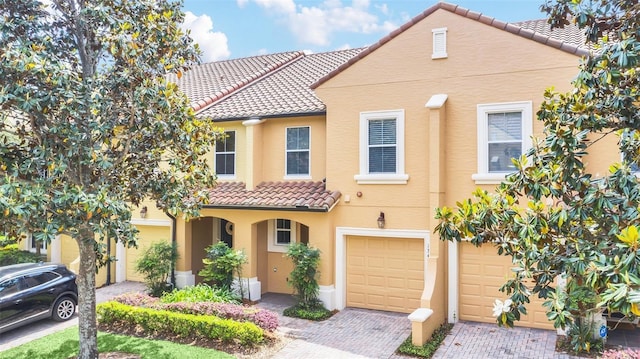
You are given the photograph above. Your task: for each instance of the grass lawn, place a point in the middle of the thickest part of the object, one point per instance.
(64, 344)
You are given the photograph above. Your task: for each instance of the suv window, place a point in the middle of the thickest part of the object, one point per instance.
(9, 286)
(36, 279)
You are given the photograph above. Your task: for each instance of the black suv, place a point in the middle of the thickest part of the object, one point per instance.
(34, 291)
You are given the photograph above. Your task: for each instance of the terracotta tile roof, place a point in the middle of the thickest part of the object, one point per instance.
(207, 83)
(569, 39)
(286, 91)
(290, 195)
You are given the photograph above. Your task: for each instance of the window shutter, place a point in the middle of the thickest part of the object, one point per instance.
(439, 43)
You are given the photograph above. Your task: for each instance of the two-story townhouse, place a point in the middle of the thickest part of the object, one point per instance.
(351, 151)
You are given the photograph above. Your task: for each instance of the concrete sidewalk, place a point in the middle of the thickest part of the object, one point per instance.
(45, 327)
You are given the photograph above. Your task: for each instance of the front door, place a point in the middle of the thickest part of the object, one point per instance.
(226, 232)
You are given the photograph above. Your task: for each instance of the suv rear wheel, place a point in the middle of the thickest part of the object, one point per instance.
(64, 309)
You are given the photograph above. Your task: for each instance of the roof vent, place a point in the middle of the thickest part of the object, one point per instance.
(439, 43)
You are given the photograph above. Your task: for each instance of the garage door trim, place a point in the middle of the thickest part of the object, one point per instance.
(341, 252)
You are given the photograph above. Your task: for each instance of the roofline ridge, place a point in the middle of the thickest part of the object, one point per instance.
(210, 100)
(473, 15)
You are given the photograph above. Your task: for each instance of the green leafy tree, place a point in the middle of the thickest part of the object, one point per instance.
(90, 126)
(552, 216)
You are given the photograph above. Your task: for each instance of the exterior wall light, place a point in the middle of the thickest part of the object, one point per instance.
(381, 221)
(143, 212)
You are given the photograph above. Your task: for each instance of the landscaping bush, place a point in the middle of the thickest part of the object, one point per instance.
(265, 319)
(303, 278)
(318, 312)
(221, 263)
(200, 293)
(626, 353)
(155, 264)
(180, 324)
(10, 254)
(429, 348)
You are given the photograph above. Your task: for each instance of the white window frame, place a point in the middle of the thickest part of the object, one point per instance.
(235, 157)
(272, 236)
(439, 52)
(31, 245)
(364, 177)
(286, 151)
(483, 110)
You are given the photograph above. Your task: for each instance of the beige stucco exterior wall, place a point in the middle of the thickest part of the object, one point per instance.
(484, 65)
(273, 154)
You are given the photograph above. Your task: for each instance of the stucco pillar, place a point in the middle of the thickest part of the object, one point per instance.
(433, 300)
(322, 236)
(121, 262)
(184, 274)
(245, 238)
(254, 148)
(55, 248)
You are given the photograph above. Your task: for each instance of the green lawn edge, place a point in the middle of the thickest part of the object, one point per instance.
(64, 344)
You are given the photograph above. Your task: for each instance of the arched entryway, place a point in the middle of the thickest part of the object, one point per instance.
(207, 231)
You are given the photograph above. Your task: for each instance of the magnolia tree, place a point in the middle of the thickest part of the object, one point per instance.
(556, 220)
(90, 126)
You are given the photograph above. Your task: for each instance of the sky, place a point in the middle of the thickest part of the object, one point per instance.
(227, 29)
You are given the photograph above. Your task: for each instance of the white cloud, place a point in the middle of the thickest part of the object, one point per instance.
(316, 25)
(213, 44)
(281, 6)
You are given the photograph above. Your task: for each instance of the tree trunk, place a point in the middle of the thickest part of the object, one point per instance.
(86, 281)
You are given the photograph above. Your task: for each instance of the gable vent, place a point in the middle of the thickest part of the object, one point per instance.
(439, 43)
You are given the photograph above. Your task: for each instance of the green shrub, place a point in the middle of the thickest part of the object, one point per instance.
(200, 293)
(221, 263)
(318, 312)
(429, 348)
(155, 264)
(303, 278)
(12, 255)
(185, 325)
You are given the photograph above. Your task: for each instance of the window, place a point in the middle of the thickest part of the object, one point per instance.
(226, 155)
(34, 280)
(282, 232)
(504, 133)
(298, 151)
(439, 43)
(34, 244)
(10, 286)
(382, 148)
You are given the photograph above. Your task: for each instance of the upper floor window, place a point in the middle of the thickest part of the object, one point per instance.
(382, 148)
(298, 151)
(504, 133)
(226, 155)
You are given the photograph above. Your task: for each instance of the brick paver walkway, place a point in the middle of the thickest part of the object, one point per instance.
(486, 340)
(351, 333)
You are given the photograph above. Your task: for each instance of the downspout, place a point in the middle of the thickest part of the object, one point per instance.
(108, 261)
(173, 242)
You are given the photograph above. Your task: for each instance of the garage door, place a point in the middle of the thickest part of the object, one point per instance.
(482, 273)
(385, 273)
(147, 236)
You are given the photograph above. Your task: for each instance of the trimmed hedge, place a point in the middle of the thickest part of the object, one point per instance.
(152, 320)
(263, 318)
(12, 255)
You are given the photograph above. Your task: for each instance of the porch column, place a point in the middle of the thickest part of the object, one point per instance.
(121, 262)
(321, 236)
(245, 238)
(56, 250)
(184, 274)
